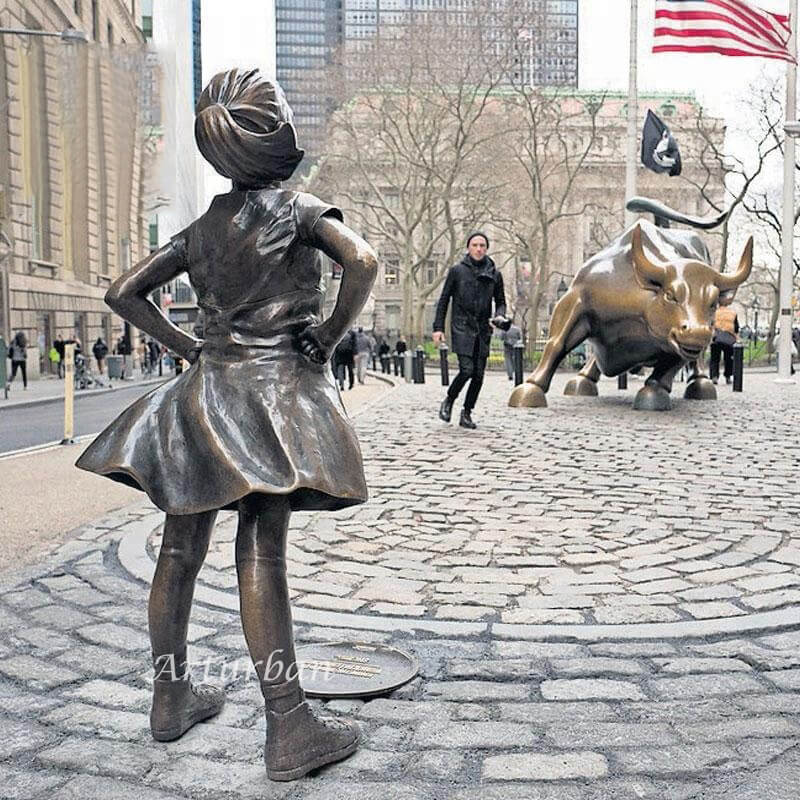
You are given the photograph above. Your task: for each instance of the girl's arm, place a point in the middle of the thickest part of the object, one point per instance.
(129, 296)
(360, 266)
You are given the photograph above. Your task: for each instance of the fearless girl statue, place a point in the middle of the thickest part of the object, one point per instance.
(256, 423)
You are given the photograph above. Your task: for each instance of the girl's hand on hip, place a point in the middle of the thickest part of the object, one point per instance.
(310, 346)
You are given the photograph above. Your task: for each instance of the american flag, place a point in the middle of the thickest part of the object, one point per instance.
(727, 27)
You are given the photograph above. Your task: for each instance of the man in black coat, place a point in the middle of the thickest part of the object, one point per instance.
(472, 284)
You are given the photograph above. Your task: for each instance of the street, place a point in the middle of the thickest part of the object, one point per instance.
(29, 426)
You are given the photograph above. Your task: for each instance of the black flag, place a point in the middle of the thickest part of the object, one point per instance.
(659, 148)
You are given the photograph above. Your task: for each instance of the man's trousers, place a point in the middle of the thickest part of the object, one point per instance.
(470, 368)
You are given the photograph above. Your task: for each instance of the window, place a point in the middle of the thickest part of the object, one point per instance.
(430, 273)
(76, 5)
(153, 236)
(391, 272)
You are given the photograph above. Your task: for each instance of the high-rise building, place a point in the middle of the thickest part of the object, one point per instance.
(309, 31)
(307, 34)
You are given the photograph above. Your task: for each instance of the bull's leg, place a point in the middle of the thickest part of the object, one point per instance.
(654, 395)
(570, 330)
(699, 387)
(585, 385)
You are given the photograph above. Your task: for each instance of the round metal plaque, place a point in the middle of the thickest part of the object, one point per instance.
(351, 669)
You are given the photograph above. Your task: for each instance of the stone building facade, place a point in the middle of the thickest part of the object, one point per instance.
(71, 167)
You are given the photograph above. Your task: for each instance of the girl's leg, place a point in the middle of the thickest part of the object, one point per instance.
(297, 741)
(177, 703)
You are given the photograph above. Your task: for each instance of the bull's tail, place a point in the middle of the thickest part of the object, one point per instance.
(646, 205)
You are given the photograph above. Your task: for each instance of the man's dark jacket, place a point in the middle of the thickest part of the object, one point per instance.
(472, 288)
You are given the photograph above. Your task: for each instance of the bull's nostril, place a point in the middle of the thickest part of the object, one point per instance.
(684, 327)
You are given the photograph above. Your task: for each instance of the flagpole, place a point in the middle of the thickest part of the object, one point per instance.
(787, 229)
(633, 106)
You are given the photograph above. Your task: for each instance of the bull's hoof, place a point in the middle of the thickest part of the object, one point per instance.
(652, 398)
(700, 388)
(528, 395)
(580, 387)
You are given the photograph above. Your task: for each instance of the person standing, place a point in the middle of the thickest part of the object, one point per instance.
(510, 338)
(100, 351)
(59, 346)
(400, 348)
(726, 326)
(473, 285)
(343, 359)
(383, 355)
(363, 351)
(18, 354)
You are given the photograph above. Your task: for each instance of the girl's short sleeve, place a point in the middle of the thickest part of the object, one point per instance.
(308, 211)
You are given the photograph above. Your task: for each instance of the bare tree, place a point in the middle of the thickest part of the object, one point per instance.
(412, 147)
(753, 185)
(550, 136)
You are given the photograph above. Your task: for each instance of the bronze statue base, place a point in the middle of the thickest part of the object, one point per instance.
(580, 386)
(700, 388)
(652, 398)
(527, 395)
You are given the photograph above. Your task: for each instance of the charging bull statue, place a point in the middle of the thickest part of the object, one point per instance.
(646, 300)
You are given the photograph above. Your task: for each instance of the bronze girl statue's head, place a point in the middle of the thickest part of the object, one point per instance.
(244, 128)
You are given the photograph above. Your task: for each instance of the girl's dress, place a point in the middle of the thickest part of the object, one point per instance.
(252, 415)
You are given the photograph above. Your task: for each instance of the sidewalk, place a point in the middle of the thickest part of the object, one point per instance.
(51, 390)
(605, 605)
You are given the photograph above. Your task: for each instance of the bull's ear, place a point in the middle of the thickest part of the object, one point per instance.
(648, 274)
(728, 283)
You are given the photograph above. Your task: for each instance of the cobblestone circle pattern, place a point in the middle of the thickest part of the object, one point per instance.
(560, 515)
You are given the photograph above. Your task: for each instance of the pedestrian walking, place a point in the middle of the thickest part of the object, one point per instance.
(510, 339)
(255, 423)
(100, 351)
(17, 352)
(58, 343)
(363, 351)
(344, 360)
(726, 326)
(472, 285)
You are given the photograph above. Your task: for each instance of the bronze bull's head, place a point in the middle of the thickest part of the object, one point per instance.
(686, 294)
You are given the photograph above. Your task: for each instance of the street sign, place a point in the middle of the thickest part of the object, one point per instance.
(345, 669)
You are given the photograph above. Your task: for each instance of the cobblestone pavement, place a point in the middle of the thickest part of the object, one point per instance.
(603, 603)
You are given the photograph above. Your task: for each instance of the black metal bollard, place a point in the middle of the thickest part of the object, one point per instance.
(738, 366)
(419, 366)
(622, 381)
(443, 351)
(518, 364)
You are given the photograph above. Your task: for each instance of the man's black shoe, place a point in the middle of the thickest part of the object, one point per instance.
(446, 409)
(466, 420)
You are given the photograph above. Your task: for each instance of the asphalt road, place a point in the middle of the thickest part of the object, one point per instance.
(39, 424)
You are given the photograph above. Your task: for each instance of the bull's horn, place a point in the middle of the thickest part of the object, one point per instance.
(728, 282)
(642, 264)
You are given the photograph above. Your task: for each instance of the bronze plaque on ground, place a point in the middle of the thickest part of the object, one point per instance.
(347, 669)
